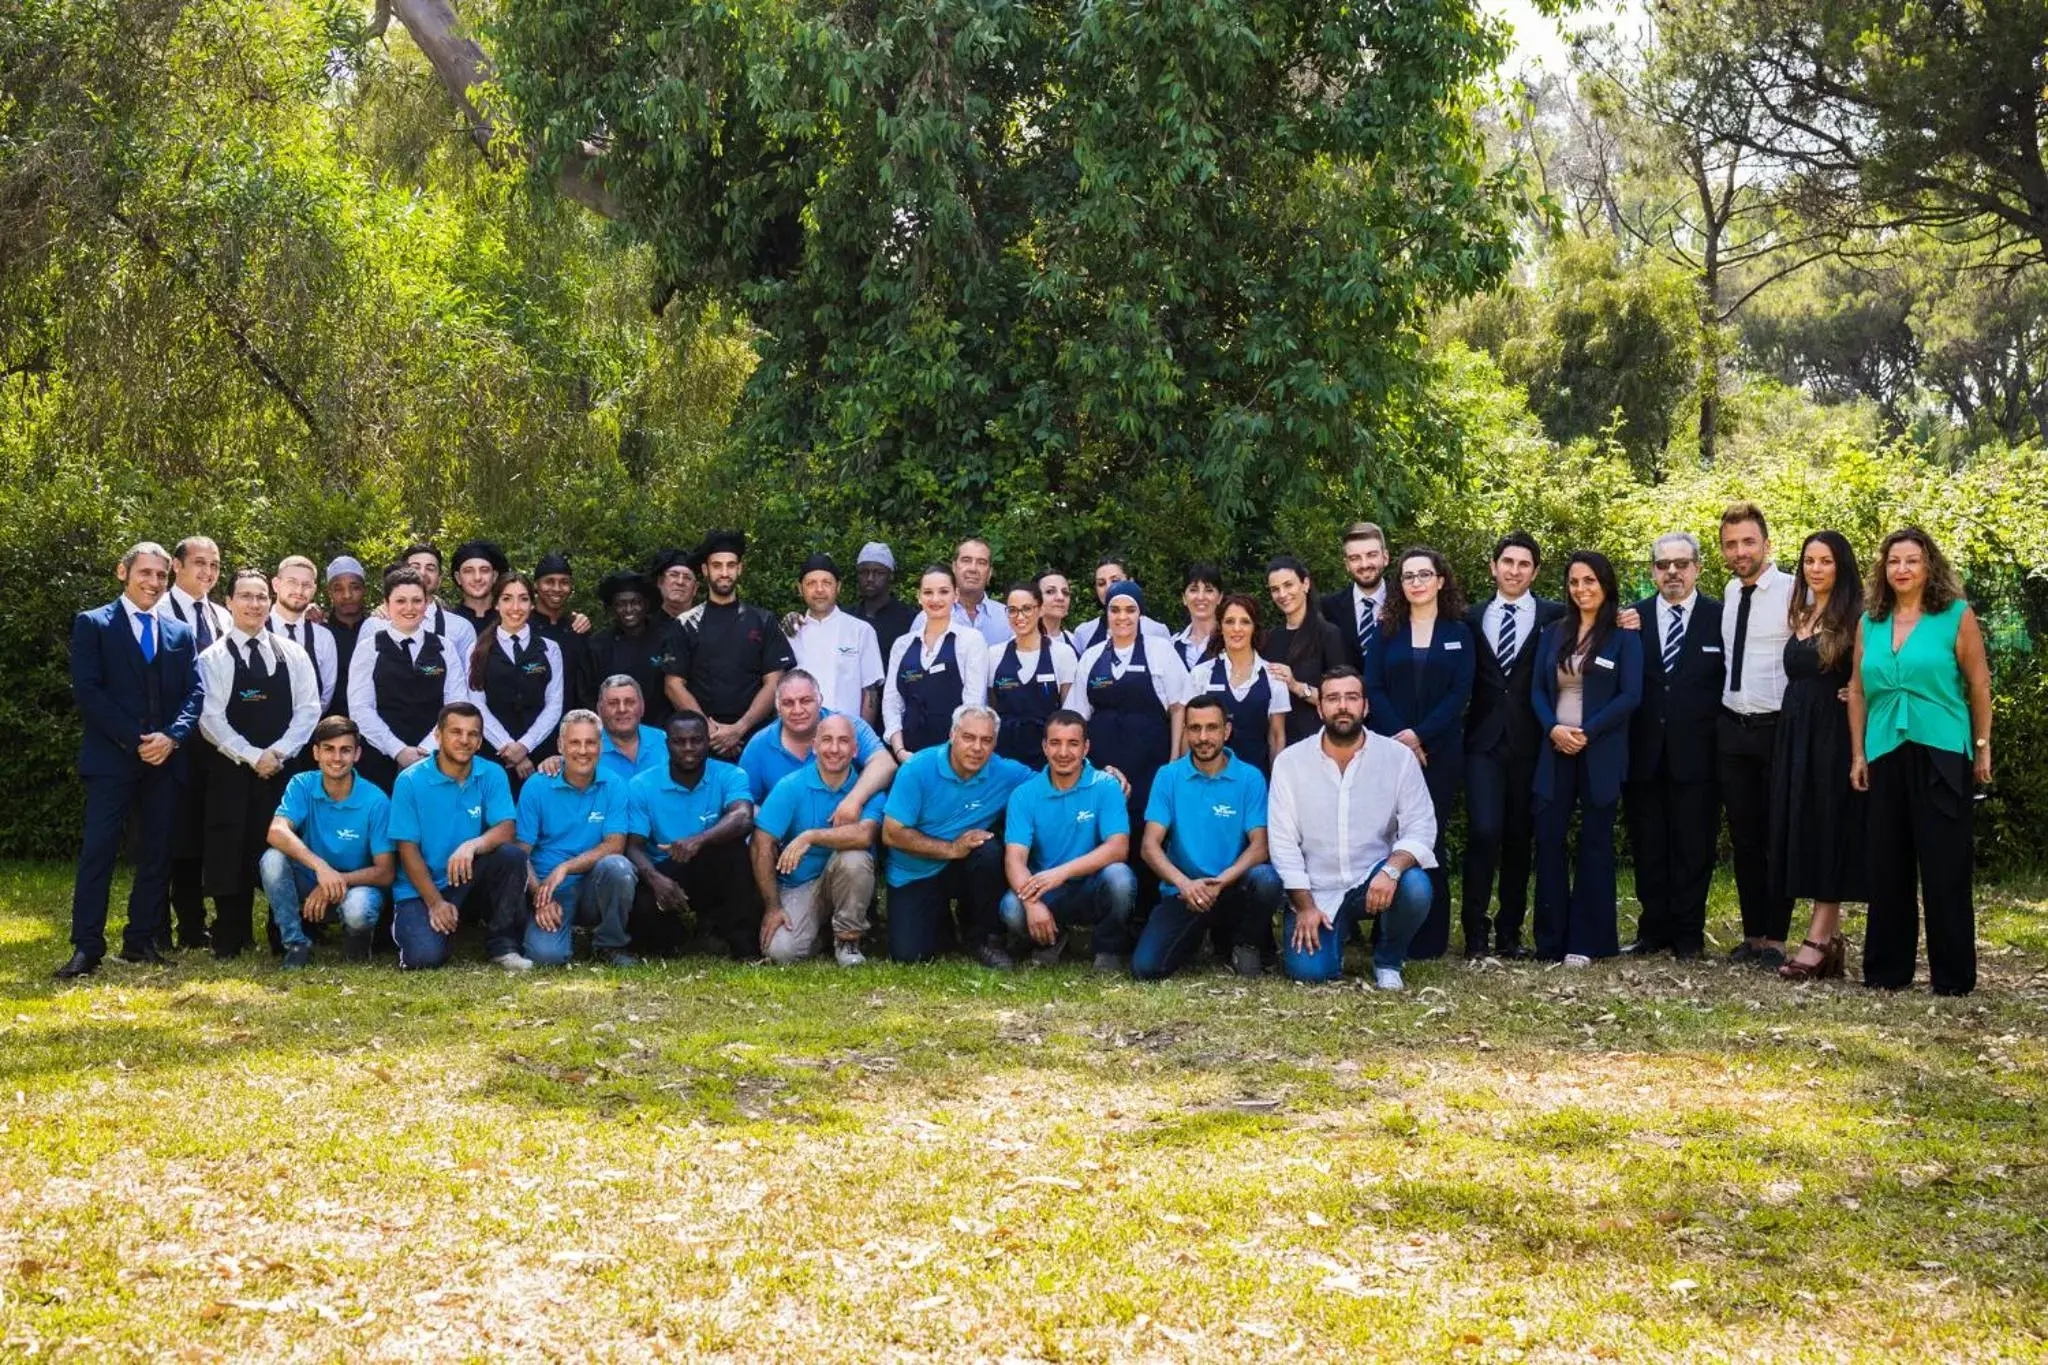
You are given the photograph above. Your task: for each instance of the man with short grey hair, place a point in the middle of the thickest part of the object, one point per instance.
(573, 828)
(808, 868)
(629, 746)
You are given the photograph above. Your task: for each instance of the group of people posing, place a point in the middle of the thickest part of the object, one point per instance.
(713, 776)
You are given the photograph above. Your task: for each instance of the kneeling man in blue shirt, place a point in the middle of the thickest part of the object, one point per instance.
(1066, 839)
(572, 825)
(452, 819)
(330, 849)
(808, 868)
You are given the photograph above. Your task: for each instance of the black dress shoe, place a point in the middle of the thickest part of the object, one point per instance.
(81, 964)
(1514, 952)
(1744, 952)
(1689, 954)
(1641, 949)
(144, 956)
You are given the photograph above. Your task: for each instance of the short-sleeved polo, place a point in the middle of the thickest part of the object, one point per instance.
(347, 835)
(440, 813)
(931, 798)
(560, 821)
(803, 801)
(662, 810)
(767, 762)
(1208, 819)
(653, 754)
(1059, 826)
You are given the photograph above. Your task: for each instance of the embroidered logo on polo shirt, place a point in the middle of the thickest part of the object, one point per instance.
(475, 812)
(1082, 817)
(346, 834)
(1222, 810)
(595, 817)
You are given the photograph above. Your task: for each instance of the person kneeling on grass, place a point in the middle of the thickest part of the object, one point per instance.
(452, 820)
(1352, 834)
(572, 825)
(1066, 839)
(686, 834)
(807, 867)
(330, 849)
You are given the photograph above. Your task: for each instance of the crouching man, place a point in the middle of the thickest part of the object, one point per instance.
(330, 849)
(572, 825)
(809, 869)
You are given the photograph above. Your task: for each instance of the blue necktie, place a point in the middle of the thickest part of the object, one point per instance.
(202, 625)
(1673, 637)
(148, 636)
(1368, 627)
(1504, 650)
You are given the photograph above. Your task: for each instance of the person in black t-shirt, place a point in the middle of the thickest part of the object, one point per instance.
(725, 656)
(636, 644)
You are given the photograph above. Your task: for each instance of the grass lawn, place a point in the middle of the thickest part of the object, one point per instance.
(693, 1159)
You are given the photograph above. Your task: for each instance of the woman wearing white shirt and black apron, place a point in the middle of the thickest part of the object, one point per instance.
(933, 670)
(516, 674)
(1029, 681)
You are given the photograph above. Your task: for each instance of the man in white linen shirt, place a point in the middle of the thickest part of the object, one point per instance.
(835, 647)
(1352, 833)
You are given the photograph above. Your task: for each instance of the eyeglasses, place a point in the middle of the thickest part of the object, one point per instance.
(1671, 565)
(1419, 576)
(1027, 608)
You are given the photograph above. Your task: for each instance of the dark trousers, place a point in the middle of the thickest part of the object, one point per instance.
(1920, 815)
(726, 904)
(1575, 899)
(1672, 829)
(1434, 937)
(1174, 932)
(919, 910)
(1744, 765)
(151, 792)
(495, 894)
(1500, 810)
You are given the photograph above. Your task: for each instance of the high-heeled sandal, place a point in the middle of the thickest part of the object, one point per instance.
(1836, 965)
(1795, 970)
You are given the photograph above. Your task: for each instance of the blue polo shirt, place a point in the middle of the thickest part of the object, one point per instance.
(1208, 819)
(346, 835)
(766, 762)
(433, 810)
(929, 797)
(662, 810)
(801, 802)
(1059, 826)
(653, 754)
(559, 822)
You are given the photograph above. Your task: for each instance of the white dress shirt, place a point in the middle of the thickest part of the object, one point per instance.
(1359, 598)
(1162, 664)
(970, 652)
(992, 623)
(457, 635)
(1087, 632)
(1654, 648)
(543, 727)
(135, 615)
(362, 685)
(1213, 675)
(1524, 610)
(178, 605)
(318, 642)
(842, 653)
(217, 671)
(1064, 661)
(1762, 691)
(1327, 827)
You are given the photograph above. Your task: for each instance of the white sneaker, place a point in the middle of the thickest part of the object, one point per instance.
(1388, 979)
(513, 962)
(848, 954)
(1577, 960)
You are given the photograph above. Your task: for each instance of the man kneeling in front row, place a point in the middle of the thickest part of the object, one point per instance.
(1066, 838)
(330, 849)
(452, 820)
(572, 825)
(809, 869)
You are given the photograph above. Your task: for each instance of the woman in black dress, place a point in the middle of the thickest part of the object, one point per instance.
(1816, 816)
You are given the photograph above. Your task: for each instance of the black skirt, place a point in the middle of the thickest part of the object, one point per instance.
(1817, 818)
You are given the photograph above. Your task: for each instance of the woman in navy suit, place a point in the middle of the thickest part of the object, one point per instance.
(1417, 681)
(1589, 680)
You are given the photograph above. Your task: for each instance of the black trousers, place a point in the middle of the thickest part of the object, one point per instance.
(1672, 829)
(1500, 815)
(723, 899)
(1744, 765)
(1920, 813)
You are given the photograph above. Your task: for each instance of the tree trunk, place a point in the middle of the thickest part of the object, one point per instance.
(1710, 350)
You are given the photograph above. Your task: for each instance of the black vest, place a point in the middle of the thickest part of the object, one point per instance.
(409, 694)
(259, 705)
(516, 689)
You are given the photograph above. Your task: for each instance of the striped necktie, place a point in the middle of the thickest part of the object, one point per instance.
(1673, 638)
(1368, 627)
(1504, 649)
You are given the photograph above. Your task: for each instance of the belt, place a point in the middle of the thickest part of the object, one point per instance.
(1755, 722)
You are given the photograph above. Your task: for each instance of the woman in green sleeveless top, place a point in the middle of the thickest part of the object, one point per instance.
(1920, 730)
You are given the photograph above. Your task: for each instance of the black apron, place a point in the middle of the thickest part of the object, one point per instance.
(516, 691)
(239, 804)
(930, 693)
(1130, 731)
(1024, 704)
(302, 761)
(1248, 720)
(409, 698)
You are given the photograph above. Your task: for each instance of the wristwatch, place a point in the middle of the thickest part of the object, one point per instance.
(1390, 874)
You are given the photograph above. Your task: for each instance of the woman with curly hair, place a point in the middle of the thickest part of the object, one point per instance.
(1919, 732)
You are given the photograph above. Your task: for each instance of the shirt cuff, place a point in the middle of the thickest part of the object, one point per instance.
(1423, 854)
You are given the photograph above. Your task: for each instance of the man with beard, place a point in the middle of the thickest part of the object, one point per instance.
(1355, 610)
(874, 574)
(477, 566)
(725, 656)
(1353, 835)
(632, 646)
(347, 609)
(292, 595)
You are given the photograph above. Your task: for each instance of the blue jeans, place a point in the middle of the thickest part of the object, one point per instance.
(602, 897)
(496, 889)
(1174, 932)
(1102, 900)
(1398, 923)
(285, 884)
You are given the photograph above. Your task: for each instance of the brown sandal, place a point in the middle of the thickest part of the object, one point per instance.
(1830, 963)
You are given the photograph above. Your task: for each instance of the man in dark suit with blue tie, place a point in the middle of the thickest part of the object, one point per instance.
(136, 682)
(1355, 609)
(1674, 818)
(1502, 740)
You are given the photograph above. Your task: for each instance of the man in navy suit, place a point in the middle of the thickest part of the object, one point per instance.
(1355, 609)
(1674, 819)
(1502, 740)
(135, 678)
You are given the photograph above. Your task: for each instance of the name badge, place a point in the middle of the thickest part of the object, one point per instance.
(1604, 663)
(1134, 668)
(936, 668)
(1453, 644)
(1710, 649)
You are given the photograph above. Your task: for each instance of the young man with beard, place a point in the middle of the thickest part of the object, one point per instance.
(1355, 610)
(291, 590)
(725, 656)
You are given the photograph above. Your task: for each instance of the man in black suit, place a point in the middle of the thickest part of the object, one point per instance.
(1674, 816)
(136, 682)
(1501, 743)
(1355, 608)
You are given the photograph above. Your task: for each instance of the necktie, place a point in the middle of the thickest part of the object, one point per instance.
(1504, 650)
(1368, 626)
(1673, 637)
(252, 657)
(406, 645)
(202, 624)
(1741, 639)
(148, 624)
(291, 631)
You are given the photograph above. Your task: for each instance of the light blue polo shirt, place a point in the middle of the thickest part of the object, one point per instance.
(766, 762)
(1208, 819)
(662, 810)
(558, 822)
(1057, 826)
(929, 797)
(653, 754)
(802, 802)
(346, 835)
(433, 810)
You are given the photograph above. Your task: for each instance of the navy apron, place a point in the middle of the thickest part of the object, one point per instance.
(930, 693)
(1024, 704)
(1248, 721)
(408, 698)
(239, 804)
(1130, 730)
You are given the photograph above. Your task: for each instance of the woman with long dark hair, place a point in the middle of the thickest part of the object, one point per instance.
(1418, 679)
(1919, 731)
(516, 675)
(1589, 680)
(1816, 816)
(1232, 668)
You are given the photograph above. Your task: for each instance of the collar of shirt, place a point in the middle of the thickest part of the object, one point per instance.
(1665, 607)
(135, 615)
(415, 633)
(245, 638)
(431, 771)
(1378, 596)
(358, 791)
(512, 642)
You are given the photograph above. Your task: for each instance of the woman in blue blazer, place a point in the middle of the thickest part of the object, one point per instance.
(1417, 681)
(1589, 680)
